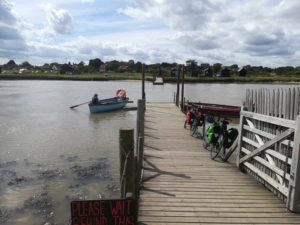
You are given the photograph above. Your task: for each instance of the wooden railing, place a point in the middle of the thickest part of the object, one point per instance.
(132, 157)
(269, 142)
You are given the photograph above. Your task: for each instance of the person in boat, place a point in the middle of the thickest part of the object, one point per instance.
(95, 99)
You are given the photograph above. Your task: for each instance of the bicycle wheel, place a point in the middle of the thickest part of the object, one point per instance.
(216, 148)
(193, 127)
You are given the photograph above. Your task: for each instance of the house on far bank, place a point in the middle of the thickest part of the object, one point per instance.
(102, 68)
(195, 73)
(125, 69)
(55, 67)
(68, 69)
(23, 71)
(225, 72)
(208, 72)
(242, 72)
(174, 72)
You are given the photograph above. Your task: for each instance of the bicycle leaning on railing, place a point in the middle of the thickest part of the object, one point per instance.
(194, 118)
(217, 136)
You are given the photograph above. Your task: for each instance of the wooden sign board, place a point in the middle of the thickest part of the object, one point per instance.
(103, 212)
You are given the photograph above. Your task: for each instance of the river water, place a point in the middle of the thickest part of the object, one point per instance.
(51, 155)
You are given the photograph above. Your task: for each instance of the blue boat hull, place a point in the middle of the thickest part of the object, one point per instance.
(108, 105)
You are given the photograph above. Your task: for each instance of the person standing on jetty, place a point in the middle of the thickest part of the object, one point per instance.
(95, 99)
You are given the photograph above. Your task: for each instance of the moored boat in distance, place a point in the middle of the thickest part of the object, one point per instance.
(222, 110)
(109, 104)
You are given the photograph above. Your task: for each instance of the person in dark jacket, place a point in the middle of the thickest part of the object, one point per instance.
(95, 99)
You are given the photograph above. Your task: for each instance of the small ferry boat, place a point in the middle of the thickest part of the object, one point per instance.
(109, 104)
(222, 110)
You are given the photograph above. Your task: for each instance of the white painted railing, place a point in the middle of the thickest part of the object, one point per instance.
(269, 142)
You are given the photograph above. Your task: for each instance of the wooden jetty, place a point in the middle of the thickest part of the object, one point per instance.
(158, 81)
(182, 185)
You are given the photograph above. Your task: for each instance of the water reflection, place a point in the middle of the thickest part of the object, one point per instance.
(45, 145)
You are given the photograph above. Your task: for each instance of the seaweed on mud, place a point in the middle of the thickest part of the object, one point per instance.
(16, 181)
(76, 194)
(95, 170)
(72, 158)
(74, 186)
(7, 175)
(50, 173)
(49, 223)
(41, 201)
(47, 217)
(5, 164)
(5, 214)
(112, 187)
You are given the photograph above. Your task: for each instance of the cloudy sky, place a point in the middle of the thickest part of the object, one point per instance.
(243, 32)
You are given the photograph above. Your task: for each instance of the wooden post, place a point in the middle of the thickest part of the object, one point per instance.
(140, 120)
(143, 81)
(182, 89)
(240, 138)
(126, 156)
(294, 183)
(178, 84)
(174, 99)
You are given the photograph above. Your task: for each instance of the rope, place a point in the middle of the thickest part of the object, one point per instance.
(125, 166)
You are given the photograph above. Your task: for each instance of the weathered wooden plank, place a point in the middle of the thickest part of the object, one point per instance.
(216, 208)
(269, 165)
(182, 185)
(266, 134)
(267, 145)
(274, 120)
(268, 179)
(201, 220)
(245, 215)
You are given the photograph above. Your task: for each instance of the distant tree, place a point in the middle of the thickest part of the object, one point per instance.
(191, 66)
(235, 66)
(204, 66)
(174, 64)
(95, 63)
(217, 67)
(81, 63)
(138, 67)
(165, 65)
(112, 65)
(11, 62)
(131, 62)
(26, 64)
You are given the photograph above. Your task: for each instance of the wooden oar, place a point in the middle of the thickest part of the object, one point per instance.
(72, 107)
(128, 101)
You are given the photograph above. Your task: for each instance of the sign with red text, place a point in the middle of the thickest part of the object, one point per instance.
(103, 212)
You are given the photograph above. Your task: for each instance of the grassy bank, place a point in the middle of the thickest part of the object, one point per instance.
(149, 77)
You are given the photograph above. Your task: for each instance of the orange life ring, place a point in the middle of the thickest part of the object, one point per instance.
(120, 93)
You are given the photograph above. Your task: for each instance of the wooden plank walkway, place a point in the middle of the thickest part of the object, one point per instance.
(182, 185)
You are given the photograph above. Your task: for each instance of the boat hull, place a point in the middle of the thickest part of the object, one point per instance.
(222, 110)
(109, 104)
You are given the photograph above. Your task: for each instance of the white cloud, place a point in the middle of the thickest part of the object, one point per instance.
(58, 20)
(264, 32)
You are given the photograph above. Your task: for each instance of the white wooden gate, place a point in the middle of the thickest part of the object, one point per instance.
(269, 141)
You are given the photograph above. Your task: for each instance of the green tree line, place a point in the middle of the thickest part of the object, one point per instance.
(159, 68)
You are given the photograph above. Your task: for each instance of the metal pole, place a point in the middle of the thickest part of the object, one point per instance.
(182, 90)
